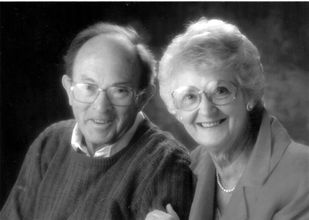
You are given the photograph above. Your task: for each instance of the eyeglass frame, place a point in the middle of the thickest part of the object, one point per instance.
(135, 94)
(207, 96)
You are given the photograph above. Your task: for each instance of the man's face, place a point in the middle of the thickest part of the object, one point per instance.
(104, 61)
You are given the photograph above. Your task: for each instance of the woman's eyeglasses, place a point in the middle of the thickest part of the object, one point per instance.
(219, 93)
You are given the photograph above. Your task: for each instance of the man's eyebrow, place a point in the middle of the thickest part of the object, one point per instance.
(86, 78)
(123, 84)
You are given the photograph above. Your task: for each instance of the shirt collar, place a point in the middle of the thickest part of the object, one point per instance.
(106, 150)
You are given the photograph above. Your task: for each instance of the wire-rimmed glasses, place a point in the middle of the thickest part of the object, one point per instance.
(188, 98)
(117, 95)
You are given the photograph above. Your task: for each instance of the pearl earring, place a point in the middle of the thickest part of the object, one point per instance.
(249, 107)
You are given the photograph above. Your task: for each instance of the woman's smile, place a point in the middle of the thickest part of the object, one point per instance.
(211, 124)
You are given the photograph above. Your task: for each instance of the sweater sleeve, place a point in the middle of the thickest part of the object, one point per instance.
(171, 182)
(21, 201)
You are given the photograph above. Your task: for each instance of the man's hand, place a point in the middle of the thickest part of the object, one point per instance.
(170, 214)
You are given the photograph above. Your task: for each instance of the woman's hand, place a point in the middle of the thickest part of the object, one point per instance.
(170, 214)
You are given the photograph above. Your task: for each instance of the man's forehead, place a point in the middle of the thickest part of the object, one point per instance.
(108, 44)
(107, 53)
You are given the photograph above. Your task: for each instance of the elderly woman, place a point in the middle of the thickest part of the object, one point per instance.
(247, 166)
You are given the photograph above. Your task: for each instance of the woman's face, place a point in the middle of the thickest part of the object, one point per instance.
(218, 128)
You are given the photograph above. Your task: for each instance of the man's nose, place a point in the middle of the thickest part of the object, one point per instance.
(102, 102)
(206, 106)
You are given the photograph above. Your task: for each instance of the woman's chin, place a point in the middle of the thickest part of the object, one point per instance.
(212, 143)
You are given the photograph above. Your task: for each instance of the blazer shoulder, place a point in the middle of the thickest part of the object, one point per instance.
(298, 154)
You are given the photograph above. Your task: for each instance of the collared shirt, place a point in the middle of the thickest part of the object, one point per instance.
(106, 150)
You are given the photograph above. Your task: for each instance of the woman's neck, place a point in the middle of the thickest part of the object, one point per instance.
(231, 168)
(231, 162)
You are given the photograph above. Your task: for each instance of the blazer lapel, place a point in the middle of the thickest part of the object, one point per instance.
(270, 145)
(253, 176)
(237, 208)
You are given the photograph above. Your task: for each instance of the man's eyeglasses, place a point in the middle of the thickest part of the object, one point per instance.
(117, 95)
(219, 93)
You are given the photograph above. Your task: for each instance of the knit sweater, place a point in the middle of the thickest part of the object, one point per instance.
(55, 182)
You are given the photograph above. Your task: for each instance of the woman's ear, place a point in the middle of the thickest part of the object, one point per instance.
(250, 104)
(67, 83)
(171, 109)
(178, 117)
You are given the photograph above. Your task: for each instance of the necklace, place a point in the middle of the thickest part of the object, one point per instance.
(221, 186)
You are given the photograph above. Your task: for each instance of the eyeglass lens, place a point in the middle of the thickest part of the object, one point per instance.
(117, 95)
(217, 92)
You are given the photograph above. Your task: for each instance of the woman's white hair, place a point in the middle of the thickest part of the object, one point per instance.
(217, 45)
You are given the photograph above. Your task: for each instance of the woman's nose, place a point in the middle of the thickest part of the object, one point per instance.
(206, 106)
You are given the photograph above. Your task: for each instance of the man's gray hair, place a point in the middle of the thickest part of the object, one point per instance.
(145, 57)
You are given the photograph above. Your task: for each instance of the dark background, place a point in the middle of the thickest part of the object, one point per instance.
(34, 36)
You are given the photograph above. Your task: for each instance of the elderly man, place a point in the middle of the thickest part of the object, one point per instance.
(110, 162)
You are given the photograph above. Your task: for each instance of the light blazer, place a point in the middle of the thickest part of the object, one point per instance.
(275, 184)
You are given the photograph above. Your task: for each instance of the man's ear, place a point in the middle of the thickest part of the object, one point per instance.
(66, 83)
(145, 97)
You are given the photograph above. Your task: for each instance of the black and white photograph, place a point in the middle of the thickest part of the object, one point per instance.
(154, 110)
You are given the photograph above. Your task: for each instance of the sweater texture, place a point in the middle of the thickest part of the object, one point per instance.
(55, 182)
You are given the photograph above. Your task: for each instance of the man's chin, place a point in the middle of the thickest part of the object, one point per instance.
(99, 139)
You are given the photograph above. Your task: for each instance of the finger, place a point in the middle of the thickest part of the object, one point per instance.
(170, 210)
(152, 216)
(156, 215)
